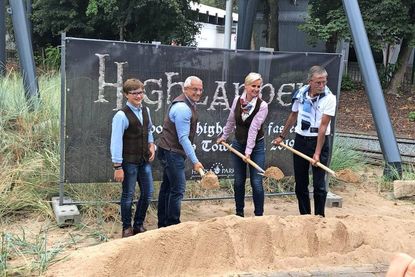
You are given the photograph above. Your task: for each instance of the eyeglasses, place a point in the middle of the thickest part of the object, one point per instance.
(196, 90)
(135, 93)
(319, 83)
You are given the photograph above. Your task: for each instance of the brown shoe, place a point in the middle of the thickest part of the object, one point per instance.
(127, 232)
(139, 229)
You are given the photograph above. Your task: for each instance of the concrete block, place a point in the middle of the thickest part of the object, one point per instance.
(403, 188)
(333, 200)
(65, 214)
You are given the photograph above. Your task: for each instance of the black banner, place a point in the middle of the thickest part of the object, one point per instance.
(95, 71)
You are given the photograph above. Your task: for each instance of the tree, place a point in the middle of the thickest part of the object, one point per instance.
(133, 20)
(271, 17)
(387, 22)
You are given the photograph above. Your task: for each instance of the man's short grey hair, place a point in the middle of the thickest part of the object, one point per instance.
(316, 70)
(188, 81)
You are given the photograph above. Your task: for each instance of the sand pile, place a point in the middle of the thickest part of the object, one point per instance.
(274, 173)
(230, 245)
(210, 181)
(348, 176)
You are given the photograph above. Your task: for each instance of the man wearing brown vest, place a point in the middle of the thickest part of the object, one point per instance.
(175, 144)
(132, 150)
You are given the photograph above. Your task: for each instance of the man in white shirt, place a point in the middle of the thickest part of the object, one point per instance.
(312, 108)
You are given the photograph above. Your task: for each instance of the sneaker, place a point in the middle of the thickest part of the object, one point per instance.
(127, 232)
(139, 229)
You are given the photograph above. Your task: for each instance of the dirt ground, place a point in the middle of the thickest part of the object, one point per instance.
(368, 229)
(355, 116)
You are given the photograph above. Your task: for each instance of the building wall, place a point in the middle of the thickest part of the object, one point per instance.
(212, 36)
(291, 15)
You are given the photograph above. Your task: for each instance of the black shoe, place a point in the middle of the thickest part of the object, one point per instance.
(127, 232)
(241, 214)
(139, 229)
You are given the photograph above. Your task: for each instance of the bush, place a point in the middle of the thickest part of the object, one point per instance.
(49, 59)
(411, 116)
(386, 74)
(29, 147)
(348, 84)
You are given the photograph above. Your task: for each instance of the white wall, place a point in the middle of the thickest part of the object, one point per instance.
(210, 38)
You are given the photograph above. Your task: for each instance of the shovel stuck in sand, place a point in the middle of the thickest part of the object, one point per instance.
(209, 180)
(271, 172)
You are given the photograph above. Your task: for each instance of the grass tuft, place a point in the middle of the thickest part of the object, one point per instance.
(29, 146)
(344, 156)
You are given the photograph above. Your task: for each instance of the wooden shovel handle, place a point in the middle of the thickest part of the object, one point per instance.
(201, 172)
(251, 162)
(308, 158)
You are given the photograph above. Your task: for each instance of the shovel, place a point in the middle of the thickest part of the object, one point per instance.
(311, 160)
(209, 180)
(273, 172)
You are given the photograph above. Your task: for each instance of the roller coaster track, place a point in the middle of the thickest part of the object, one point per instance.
(370, 147)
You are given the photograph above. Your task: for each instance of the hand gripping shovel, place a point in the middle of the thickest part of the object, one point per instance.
(345, 175)
(272, 172)
(311, 160)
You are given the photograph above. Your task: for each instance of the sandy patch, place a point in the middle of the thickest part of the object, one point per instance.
(229, 245)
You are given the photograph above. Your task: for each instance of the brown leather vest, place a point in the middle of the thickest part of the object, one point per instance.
(168, 138)
(135, 139)
(242, 127)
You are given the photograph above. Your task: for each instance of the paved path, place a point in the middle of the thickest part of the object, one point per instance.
(360, 271)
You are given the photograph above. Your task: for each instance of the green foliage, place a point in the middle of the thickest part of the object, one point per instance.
(49, 59)
(386, 181)
(52, 57)
(132, 20)
(20, 246)
(348, 84)
(30, 254)
(386, 21)
(411, 116)
(386, 74)
(29, 147)
(344, 156)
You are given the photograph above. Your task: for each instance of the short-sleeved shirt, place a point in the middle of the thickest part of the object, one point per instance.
(322, 105)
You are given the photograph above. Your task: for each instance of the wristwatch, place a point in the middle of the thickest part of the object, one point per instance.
(117, 167)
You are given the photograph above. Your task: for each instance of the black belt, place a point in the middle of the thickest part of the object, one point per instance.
(306, 138)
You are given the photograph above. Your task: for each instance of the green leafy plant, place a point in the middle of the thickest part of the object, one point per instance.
(29, 147)
(411, 116)
(53, 57)
(4, 254)
(386, 74)
(348, 84)
(344, 155)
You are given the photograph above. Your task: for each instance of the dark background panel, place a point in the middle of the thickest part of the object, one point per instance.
(163, 69)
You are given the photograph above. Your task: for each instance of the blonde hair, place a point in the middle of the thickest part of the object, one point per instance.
(252, 77)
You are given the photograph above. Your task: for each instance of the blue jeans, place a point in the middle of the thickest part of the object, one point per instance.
(258, 156)
(142, 174)
(172, 188)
